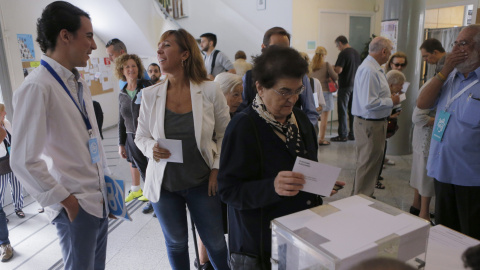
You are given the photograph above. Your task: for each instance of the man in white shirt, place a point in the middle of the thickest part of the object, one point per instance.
(216, 61)
(372, 104)
(57, 149)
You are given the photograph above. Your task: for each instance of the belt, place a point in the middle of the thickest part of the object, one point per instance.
(373, 119)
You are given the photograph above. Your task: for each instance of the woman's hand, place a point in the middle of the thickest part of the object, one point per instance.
(395, 115)
(288, 183)
(212, 182)
(159, 153)
(319, 108)
(122, 152)
(337, 183)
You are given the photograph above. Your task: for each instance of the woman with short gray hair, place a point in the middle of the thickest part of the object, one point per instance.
(232, 88)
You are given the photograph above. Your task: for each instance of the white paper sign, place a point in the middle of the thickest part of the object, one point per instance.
(320, 178)
(402, 97)
(175, 148)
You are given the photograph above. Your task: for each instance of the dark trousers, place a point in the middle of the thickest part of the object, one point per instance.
(135, 156)
(344, 107)
(458, 207)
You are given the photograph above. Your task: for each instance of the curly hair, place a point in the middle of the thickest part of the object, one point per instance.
(122, 59)
(194, 65)
(55, 17)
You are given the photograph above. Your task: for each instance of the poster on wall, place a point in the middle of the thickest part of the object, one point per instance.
(389, 29)
(261, 4)
(25, 44)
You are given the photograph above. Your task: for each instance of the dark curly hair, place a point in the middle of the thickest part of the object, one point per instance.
(55, 17)
(278, 62)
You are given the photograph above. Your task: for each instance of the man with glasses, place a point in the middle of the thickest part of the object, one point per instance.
(372, 104)
(433, 53)
(454, 159)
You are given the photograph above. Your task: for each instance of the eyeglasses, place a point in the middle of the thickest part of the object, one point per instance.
(460, 44)
(286, 93)
(399, 64)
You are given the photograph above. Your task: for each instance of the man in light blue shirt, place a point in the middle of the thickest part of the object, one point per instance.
(372, 104)
(454, 160)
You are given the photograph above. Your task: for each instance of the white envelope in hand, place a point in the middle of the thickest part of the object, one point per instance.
(175, 148)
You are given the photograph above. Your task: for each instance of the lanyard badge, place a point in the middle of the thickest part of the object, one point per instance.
(92, 142)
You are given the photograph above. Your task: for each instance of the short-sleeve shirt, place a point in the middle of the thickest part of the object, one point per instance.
(349, 60)
(222, 63)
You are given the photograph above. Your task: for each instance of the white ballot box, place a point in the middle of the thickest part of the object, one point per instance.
(342, 233)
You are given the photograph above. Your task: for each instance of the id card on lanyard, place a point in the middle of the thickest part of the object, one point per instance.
(92, 142)
(444, 116)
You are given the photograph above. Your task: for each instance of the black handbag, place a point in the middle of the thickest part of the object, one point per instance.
(5, 161)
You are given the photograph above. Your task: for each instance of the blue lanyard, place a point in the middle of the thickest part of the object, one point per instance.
(55, 75)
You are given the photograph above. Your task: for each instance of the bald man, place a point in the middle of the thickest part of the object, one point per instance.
(372, 104)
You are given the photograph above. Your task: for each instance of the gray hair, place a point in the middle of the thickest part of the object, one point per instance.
(228, 81)
(476, 37)
(378, 44)
(395, 77)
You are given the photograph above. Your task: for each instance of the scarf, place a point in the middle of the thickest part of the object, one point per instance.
(293, 141)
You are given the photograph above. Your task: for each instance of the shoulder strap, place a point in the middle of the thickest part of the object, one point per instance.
(312, 83)
(213, 60)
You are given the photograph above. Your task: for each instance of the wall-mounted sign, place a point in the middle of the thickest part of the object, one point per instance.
(261, 4)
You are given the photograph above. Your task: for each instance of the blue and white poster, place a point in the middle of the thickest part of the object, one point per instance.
(25, 44)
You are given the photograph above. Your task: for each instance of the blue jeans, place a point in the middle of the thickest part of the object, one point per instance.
(207, 216)
(83, 241)
(3, 228)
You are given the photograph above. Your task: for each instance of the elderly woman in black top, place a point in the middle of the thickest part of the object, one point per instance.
(259, 150)
(127, 68)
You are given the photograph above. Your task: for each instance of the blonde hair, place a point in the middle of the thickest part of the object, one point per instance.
(194, 66)
(120, 62)
(228, 81)
(318, 58)
(307, 58)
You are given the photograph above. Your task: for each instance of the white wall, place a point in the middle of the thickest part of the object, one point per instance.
(16, 19)
(237, 24)
(306, 17)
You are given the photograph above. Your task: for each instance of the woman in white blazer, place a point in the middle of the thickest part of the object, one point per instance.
(187, 107)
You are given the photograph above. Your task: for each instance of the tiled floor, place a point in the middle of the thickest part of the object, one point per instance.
(140, 244)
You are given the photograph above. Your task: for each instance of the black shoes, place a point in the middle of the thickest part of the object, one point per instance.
(339, 139)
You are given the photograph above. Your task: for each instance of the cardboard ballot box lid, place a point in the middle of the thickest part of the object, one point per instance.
(357, 228)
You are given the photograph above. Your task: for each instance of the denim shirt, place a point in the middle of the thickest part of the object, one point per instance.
(456, 159)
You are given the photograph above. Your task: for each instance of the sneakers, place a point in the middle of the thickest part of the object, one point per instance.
(148, 208)
(133, 195)
(6, 252)
(142, 198)
(390, 162)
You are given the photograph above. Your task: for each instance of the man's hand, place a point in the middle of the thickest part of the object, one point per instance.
(452, 60)
(71, 206)
(211, 77)
(212, 182)
(288, 183)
